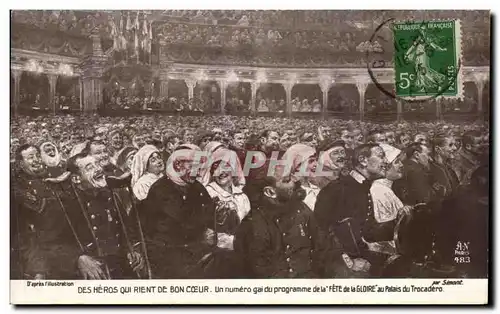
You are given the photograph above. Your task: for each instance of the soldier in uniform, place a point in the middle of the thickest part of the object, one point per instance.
(100, 152)
(344, 208)
(45, 246)
(110, 240)
(280, 238)
(178, 217)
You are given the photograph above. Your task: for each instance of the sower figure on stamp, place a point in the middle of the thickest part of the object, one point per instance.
(46, 247)
(280, 238)
(178, 218)
(109, 236)
(344, 208)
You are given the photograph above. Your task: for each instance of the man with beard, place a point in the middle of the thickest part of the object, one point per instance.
(39, 231)
(280, 238)
(468, 157)
(115, 145)
(52, 159)
(178, 221)
(416, 186)
(217, 134)
(344, 208)
(269, 142)
(108, 236)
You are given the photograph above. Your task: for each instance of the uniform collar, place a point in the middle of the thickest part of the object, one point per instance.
(224, 193)
(310, 188)
(357, 176)
(384, 182)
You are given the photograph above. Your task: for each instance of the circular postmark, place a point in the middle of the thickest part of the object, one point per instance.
(428, 75)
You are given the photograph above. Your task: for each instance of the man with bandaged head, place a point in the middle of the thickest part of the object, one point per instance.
(178, 220)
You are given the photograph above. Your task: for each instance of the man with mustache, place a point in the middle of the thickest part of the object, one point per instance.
(99, 219)
(344, 208)
(98, 150)
(280, 238)
(333, 159)
(40, 234)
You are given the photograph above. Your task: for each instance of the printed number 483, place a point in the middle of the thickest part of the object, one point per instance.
(462, 260)
(405, 79)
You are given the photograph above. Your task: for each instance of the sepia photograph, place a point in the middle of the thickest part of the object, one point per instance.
(230, 145)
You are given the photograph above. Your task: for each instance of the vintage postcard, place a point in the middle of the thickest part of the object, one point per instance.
(250, 157)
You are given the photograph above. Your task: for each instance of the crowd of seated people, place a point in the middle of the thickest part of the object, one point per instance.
(225, 36)
(313, 18)
(432, 170)
(285, 29)
(168, 104)
(465, 105)
(71, 21)
(325, 42)
(37, 101)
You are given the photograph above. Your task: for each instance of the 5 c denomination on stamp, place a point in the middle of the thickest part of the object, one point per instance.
(427, 59)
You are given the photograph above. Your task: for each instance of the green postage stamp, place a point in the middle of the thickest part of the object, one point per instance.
(427, 59)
